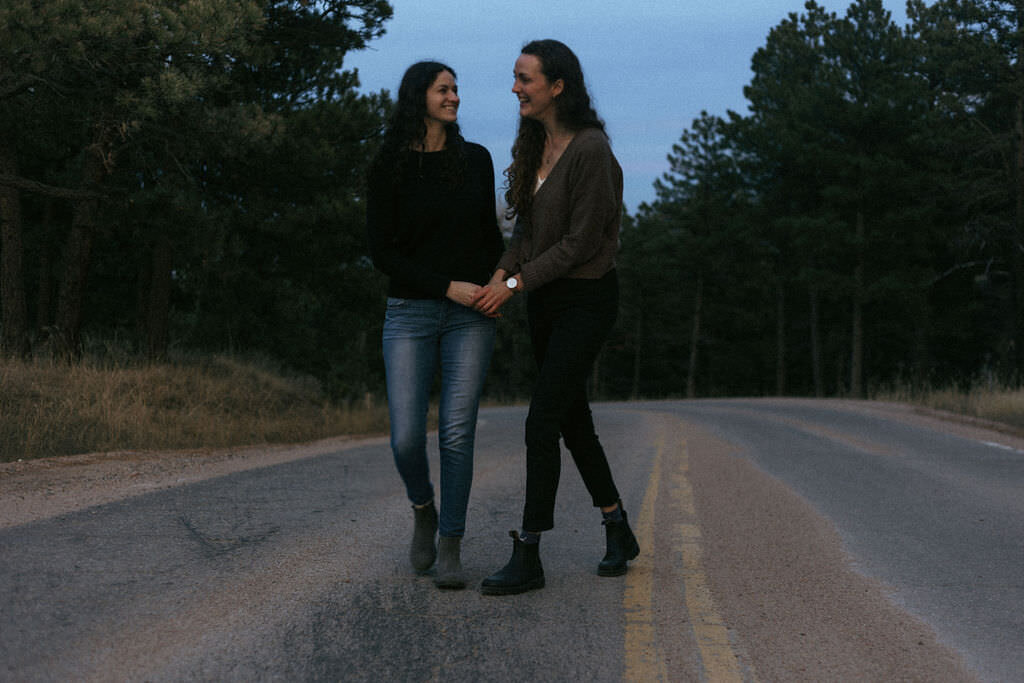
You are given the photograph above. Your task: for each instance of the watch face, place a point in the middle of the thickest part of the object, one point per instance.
(511, 283)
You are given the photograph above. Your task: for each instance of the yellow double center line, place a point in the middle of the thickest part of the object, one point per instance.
(644, 659)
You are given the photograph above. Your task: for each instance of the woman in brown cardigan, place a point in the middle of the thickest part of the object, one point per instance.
(565, 191)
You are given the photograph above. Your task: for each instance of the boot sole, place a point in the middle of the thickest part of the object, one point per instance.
(512, 590)
(450, 585)
(614, 571)
(620, 570)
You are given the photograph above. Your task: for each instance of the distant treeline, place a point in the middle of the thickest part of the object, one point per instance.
(862, 225)
(190, 175)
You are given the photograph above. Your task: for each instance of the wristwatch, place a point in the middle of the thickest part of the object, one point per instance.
(512, 283)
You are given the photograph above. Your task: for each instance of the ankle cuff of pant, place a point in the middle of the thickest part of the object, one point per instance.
(529, 537)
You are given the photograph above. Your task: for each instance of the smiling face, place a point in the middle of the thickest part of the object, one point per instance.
(443, 99)
(536, 94)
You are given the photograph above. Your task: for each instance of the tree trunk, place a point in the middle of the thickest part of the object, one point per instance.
(77, 253)
(857, 326)
(698, 302)
(922, 334)
(1018, 257)
(816, 369)
(160, 299)
(143, 283)
(780, 340)
(14, 338)
(44, 293)
(637, 353)
(841, 375)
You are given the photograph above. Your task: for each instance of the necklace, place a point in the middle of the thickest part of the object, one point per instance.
(553, 149)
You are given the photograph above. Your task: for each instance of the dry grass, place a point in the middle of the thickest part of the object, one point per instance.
(984, 400)
(49, 408)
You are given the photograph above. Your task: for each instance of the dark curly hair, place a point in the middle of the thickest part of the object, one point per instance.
(572, 107)
(406, 126)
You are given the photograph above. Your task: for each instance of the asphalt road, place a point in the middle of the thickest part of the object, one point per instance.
(781, 541)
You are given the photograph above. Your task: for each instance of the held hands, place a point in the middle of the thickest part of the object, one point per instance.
(464, 293)
(492, 297)
(467, 294)
(488, 299)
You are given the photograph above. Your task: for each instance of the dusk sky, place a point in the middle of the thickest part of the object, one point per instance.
(651, 65)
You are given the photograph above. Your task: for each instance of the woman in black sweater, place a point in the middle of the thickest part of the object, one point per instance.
(433, 229)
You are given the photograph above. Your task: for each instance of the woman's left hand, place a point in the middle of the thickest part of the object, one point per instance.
(491, 298)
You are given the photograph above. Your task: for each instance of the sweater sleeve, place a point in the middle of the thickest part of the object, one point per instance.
(511, 260)
(383, 237)
(594, 204)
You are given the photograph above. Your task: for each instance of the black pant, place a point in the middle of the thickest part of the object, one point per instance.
(569, 321)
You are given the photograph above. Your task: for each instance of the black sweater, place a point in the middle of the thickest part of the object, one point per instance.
(423, 233)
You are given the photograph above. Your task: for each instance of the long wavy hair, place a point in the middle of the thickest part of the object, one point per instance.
(572, 109)
(406, 127)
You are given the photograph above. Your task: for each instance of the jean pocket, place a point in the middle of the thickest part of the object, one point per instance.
(396, 302)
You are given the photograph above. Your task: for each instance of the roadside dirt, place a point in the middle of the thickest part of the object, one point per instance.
(952, 423)
(48, 487)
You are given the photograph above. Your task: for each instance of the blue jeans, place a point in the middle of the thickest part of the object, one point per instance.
(420, 337)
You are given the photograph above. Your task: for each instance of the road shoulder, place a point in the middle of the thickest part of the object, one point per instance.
(782, 580)
(31, 490)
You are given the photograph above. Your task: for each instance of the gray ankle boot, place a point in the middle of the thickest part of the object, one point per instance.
(423, 551)
(449, 564)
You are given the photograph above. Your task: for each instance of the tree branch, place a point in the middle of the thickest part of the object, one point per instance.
(34, 187)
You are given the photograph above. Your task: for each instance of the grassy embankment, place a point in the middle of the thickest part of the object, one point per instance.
(984, 400)
(119, 403)
(49, 408)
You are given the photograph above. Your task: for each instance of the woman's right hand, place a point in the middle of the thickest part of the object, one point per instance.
(467, 294)
(491, 298)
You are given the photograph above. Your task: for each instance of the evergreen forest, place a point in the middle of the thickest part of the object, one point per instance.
(190, 175)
